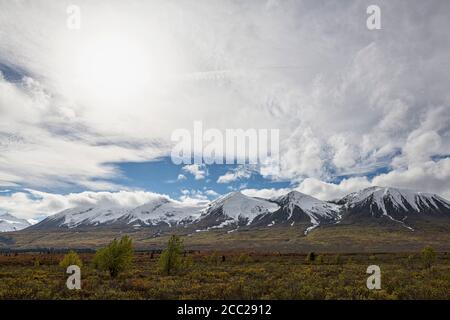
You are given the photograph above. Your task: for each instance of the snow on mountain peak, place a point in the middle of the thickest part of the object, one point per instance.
(310, 204)
(88, 215)
(166, 211)
(400, 198)
(315, 209)
(236, 205)
(8, 222)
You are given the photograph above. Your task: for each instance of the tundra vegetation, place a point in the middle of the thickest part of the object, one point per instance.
(116, 257)
(170, 259)
(70, 259)
(225, 275)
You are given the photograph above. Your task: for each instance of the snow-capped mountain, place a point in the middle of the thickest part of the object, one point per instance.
(236, 208)
(10, 223)
(156, 212)
(398, 205)
(82, 216)
(164, 211)
(297, 207)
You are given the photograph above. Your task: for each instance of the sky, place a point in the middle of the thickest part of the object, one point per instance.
(87, 114)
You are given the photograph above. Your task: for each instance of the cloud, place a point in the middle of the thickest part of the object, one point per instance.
(330, 191)
(430, 176)
(314, 187)
(266, 193)
(211, 193)
(192, 196)
(32, 203)
(241, 172)
(181, 177)
(197, 170)
(39, 149)
(347, 100)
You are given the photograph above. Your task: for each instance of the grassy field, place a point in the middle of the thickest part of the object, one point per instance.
(242, 275)
(342, 239)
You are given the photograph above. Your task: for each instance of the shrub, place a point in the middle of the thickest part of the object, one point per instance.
(170, 259)
(213, 258)
(311, 257)
(320, 259)
(338, 259)
(428, 256)
(70, 259)
(188, 262)
(116, 257)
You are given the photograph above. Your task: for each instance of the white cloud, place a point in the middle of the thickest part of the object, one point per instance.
(266, 193)
(197, 170)
(39, 149)
(241, 172)
(316, 188)
(181, 177)
(192, 196)
(430, 176)
(211, 193)
(330, 191)
(32, 203)
(349, 101)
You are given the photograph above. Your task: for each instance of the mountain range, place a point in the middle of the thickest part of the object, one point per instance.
(236, 211)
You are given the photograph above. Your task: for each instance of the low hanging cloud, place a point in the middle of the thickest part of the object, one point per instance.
(32, 203)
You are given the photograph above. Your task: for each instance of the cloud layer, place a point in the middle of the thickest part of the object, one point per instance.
(348, 101)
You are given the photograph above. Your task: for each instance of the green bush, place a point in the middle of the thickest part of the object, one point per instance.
(170, 259)
(70, 259)
(116, 257)
(428, 256)
(36, 263)
(320, 259)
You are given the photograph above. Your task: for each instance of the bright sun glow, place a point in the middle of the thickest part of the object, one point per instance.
(116, 67)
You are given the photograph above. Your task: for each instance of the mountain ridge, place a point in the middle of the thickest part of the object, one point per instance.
(235, 211)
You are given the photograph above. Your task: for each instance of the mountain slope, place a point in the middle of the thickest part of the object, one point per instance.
(163, 211)
(235, 209)
(82, 216)
(10, 223)
(160, 211)
(296, 207)
(397, 205)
